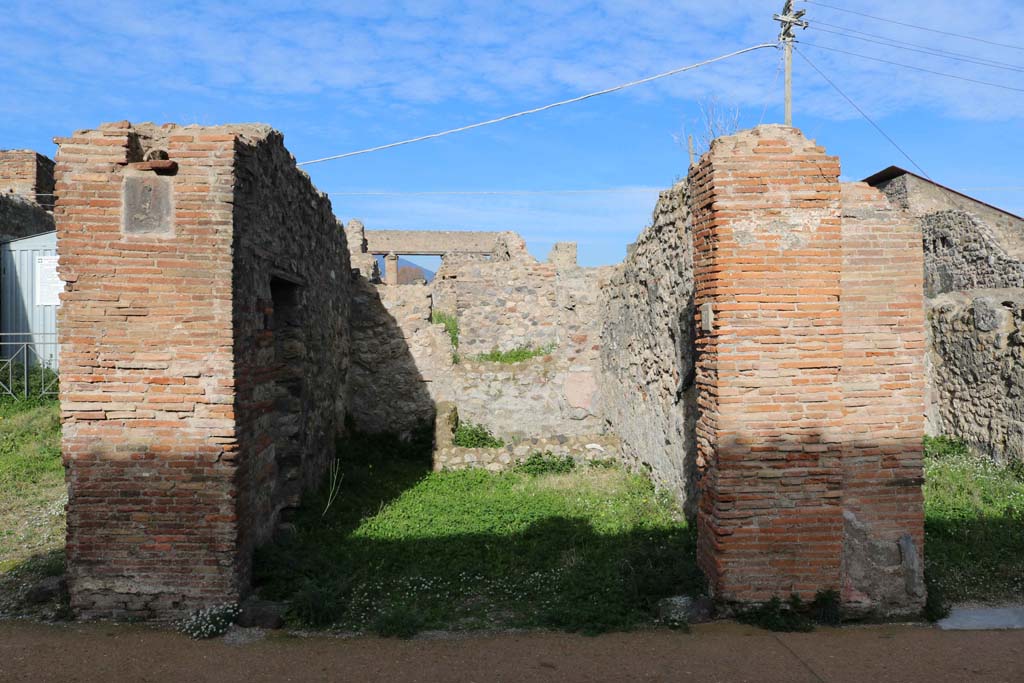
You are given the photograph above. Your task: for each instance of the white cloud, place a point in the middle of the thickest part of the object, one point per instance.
(447, 50)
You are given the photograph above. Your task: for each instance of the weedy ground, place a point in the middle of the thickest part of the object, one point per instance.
(32, 497)
(404, 549)
(974, 526)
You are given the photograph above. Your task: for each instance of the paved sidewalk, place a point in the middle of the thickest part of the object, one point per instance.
(724, 652)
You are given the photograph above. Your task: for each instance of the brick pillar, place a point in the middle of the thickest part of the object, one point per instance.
(146, 371)
(768, 254)
(883, 385)
(790, 437)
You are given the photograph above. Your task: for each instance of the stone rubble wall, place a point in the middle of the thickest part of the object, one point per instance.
(193, 411)
(403, 364)
(646, 349)
(447, 456)
(974, 278)
(501, 303)
(962, 252)
(399, 358)
(292, 292)
(546, 395)
(976, 370)
(21, 217)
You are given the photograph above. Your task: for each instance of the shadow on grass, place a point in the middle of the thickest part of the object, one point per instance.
(976, 560)
(18, 577)
(471, 550)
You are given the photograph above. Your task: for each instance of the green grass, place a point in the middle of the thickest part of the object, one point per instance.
(404, 549)
(974, 525)
(31, 480)
(32, 497)
(516, 355)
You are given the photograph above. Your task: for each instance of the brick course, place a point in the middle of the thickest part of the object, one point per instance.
(810, 379)
(161, 368)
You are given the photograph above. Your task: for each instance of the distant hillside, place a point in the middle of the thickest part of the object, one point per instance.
(408, 271)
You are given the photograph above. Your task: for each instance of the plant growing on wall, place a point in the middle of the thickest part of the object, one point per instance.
(516, 355)
(546, 463)
(451, 325)
(469, 435)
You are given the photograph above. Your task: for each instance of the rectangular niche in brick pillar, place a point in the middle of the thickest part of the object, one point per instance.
(199, 400)
(798, 477)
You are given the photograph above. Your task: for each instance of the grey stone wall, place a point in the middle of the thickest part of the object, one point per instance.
(545, 396)
(434, 242)
(21, 217)
(447, 456)
(922, 197)
(398, 358)
(974, 278)
(646, 349)
(403, 364)
(503, 302)
(976, 369)
(963, 252)
(292, 287)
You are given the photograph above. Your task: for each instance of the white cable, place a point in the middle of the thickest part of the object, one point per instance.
(396, 193)
(539, 109)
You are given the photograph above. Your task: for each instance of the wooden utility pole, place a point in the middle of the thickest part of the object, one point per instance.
(788, 19)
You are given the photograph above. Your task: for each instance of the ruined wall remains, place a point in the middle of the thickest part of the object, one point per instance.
(186, 395)
(809, 375)
(21, 217)
(647, 390)
(971, 249)
(26, 194)
(430, 242)
(976, 369)
(503, 302)
(292, 287)
(962, 252)
(403, 364)
(28, 174)
(398, 358)
(548, 395)
(922, 197)
(447, 456)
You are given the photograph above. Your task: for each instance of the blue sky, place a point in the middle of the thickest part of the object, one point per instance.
(343, 75)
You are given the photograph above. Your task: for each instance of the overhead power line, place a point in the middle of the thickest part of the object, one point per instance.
(915, 68)
(863, 113)
(920, 28)
(895, 41)
(925, 51)
(536, 110)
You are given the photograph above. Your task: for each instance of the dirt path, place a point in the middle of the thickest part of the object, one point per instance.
(715, 652)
